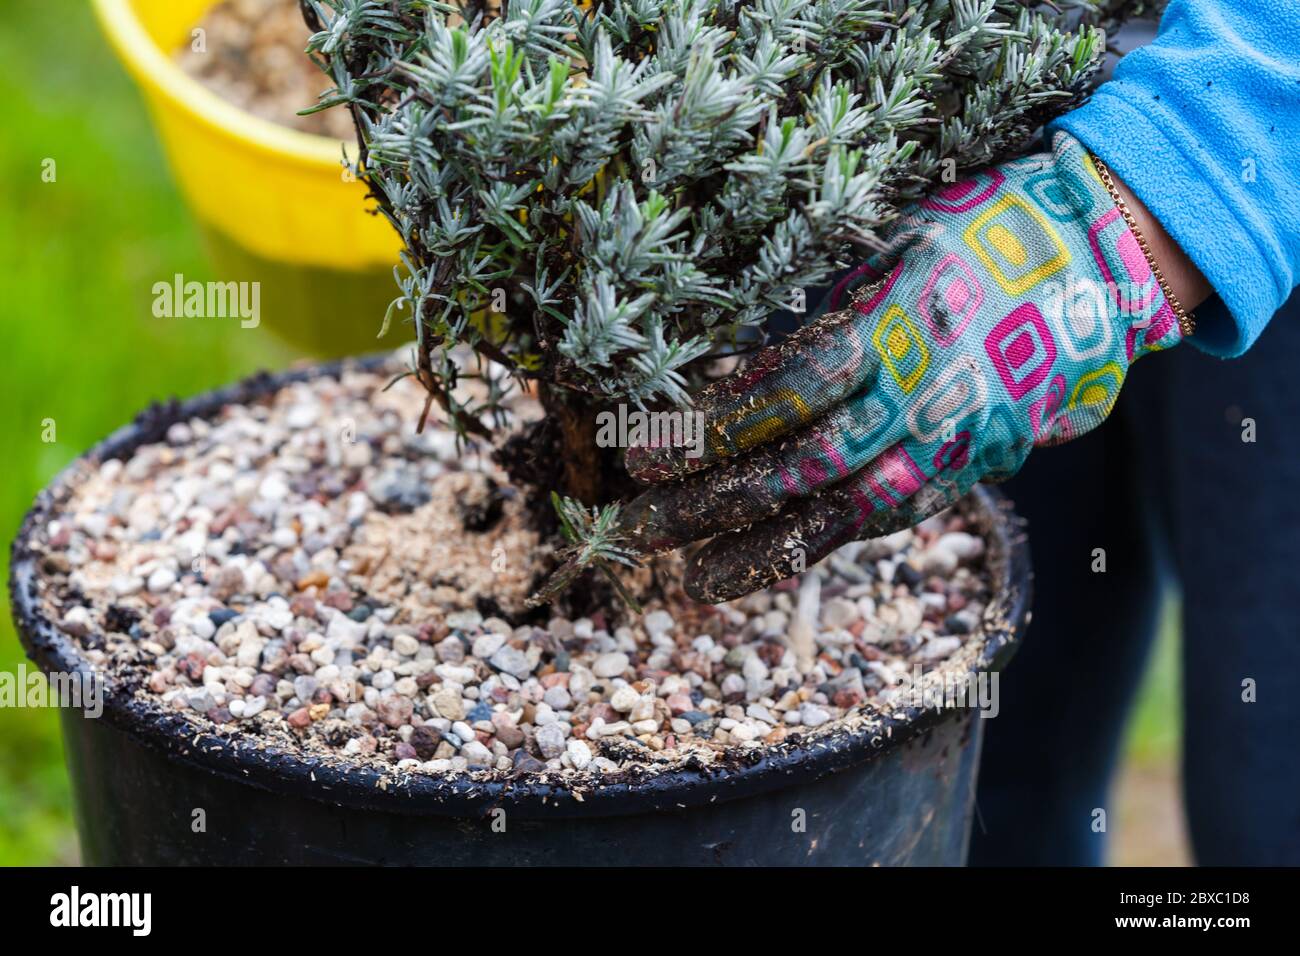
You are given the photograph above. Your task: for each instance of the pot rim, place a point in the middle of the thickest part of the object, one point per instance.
(338, 781)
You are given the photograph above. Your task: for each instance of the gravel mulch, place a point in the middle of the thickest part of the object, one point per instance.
(309, 571)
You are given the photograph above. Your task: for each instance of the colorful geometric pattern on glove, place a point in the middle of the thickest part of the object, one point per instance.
(1004, 315)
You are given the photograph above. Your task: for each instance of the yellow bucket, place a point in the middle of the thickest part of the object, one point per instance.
(277, 202)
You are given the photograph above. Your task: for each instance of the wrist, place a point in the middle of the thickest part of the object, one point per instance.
(1181, 282)
(1187, 282)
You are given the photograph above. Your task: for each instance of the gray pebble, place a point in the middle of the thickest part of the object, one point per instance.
(558, 697)
(513, 661)
(399, 490)
(485, 645)
(550, 740)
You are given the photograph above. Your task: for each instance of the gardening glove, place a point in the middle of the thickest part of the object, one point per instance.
(1003, 314)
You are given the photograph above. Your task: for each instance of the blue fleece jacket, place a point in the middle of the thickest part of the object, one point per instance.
(1203, 124)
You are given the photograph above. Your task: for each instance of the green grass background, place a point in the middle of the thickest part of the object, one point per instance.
(78, 258)
(79, 343)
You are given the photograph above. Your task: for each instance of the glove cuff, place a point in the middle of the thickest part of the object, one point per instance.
(1129, 281)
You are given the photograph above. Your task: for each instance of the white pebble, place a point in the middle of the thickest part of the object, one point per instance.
(125, 584)
(161, 580)
(658, 622)
(610, 665)
(476, 755)
(964, 546)
(813, 716)
(273, 488)
(579, 753)
(624, 699)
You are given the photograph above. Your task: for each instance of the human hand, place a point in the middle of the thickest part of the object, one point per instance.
(1004, 315)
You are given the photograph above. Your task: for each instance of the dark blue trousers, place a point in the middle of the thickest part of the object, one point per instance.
(1175, 496)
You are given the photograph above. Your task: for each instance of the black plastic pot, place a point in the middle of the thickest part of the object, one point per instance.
(900, 794)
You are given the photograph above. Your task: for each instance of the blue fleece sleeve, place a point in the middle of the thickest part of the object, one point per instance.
(1203, 124)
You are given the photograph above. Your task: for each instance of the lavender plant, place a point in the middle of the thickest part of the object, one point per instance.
(600, 196)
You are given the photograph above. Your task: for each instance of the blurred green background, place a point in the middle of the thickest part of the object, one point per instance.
(78, 258)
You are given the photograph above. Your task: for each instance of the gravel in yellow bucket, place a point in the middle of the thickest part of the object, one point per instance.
(277, 204)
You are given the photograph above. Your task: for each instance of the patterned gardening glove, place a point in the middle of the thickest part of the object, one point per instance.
(1004, 314)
